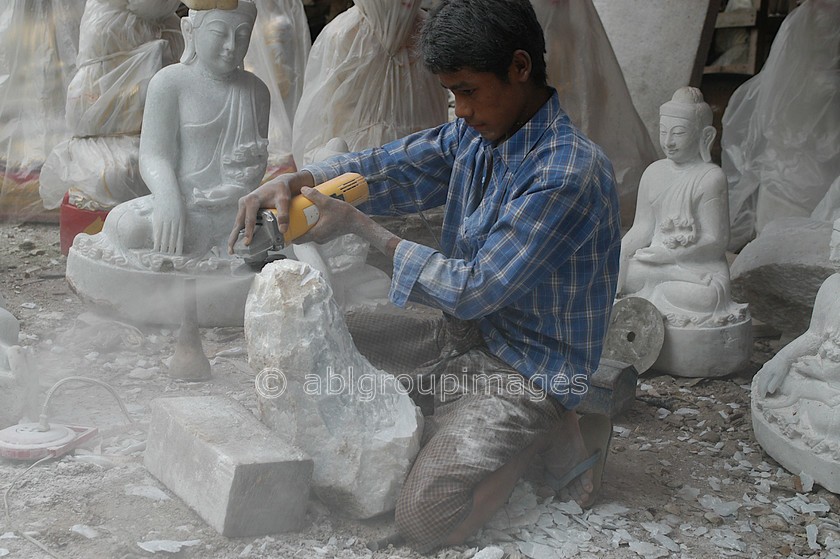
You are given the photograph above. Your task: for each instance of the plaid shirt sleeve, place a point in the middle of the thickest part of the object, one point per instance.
(419, 164)
(534, 234)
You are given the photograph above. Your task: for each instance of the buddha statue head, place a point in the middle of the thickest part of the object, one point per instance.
(207, 32)
(685, 127)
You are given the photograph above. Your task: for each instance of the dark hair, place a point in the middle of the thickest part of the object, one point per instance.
(482, 35)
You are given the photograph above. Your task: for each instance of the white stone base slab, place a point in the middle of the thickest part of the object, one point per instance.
(147, 297)
(705, 352)
(231, 469)
(793, 454)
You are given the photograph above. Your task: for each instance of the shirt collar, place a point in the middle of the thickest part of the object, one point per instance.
(514, 149)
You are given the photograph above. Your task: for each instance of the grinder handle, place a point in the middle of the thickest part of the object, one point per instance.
(303, 214)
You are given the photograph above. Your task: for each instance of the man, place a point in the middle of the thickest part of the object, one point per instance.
(530, 245)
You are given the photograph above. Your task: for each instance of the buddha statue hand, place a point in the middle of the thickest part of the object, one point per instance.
(224, 193)
(654, 255)
(169, 222)
(773, 374)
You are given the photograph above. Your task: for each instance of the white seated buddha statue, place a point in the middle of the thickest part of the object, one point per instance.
(675, 254)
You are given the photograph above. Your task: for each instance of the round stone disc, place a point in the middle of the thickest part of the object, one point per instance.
(28, 441)
(635, 334)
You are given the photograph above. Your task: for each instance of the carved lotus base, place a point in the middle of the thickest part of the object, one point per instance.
(705, 352)
(155, 297)
(793, 453)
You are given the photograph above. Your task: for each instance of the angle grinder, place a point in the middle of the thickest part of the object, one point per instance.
(303, 215)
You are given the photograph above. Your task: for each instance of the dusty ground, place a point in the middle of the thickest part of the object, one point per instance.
(684, 478)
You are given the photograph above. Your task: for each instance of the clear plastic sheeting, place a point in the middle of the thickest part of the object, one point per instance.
(781, 129)
(39, 40)
(363, 82)
(583, 68)
(122, 44)
(277, 54)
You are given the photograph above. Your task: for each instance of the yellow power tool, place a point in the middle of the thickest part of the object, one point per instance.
(303, 215)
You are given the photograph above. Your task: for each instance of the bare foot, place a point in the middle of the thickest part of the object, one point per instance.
(565, 449)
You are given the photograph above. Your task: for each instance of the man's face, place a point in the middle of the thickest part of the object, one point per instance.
(485, 102)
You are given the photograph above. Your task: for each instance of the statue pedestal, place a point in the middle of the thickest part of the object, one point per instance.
(149, 297)
(705, 352)
(793, 454)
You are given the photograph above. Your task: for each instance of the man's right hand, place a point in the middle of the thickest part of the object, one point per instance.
(276, 193)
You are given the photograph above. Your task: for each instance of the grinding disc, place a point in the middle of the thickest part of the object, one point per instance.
(27, 440)
(635, 334)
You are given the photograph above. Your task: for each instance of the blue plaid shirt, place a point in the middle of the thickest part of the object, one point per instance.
(530, 251)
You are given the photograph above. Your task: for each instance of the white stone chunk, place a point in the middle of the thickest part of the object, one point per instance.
(648, 550)
(491, 552)
(231, 469)
(357, 422)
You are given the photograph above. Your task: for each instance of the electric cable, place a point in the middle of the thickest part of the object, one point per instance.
(45, 426)
(43, 420)
(10, 524)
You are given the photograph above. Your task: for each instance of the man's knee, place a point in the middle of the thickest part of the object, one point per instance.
(430, 507)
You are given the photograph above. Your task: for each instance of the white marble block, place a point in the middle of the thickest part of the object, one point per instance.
(231, 469)
(317, 391)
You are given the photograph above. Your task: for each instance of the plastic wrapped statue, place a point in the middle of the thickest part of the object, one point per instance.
(363, 83)
(279, 48)
(675, 253)
(122, 44)
(583, 68)
(796, 394)
(39, 40)
(277, 55)
(203, 146)
(781, 129)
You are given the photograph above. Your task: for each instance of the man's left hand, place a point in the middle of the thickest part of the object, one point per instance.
(337, 217)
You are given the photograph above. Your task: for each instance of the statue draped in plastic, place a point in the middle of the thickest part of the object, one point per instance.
(781, 129)
(364, 84)
(38, 46)
(277, 54)
(122, 44)
(364, 87)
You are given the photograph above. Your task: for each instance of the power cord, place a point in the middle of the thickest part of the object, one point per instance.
(45, 426)
(384, 177)
(11, 525)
